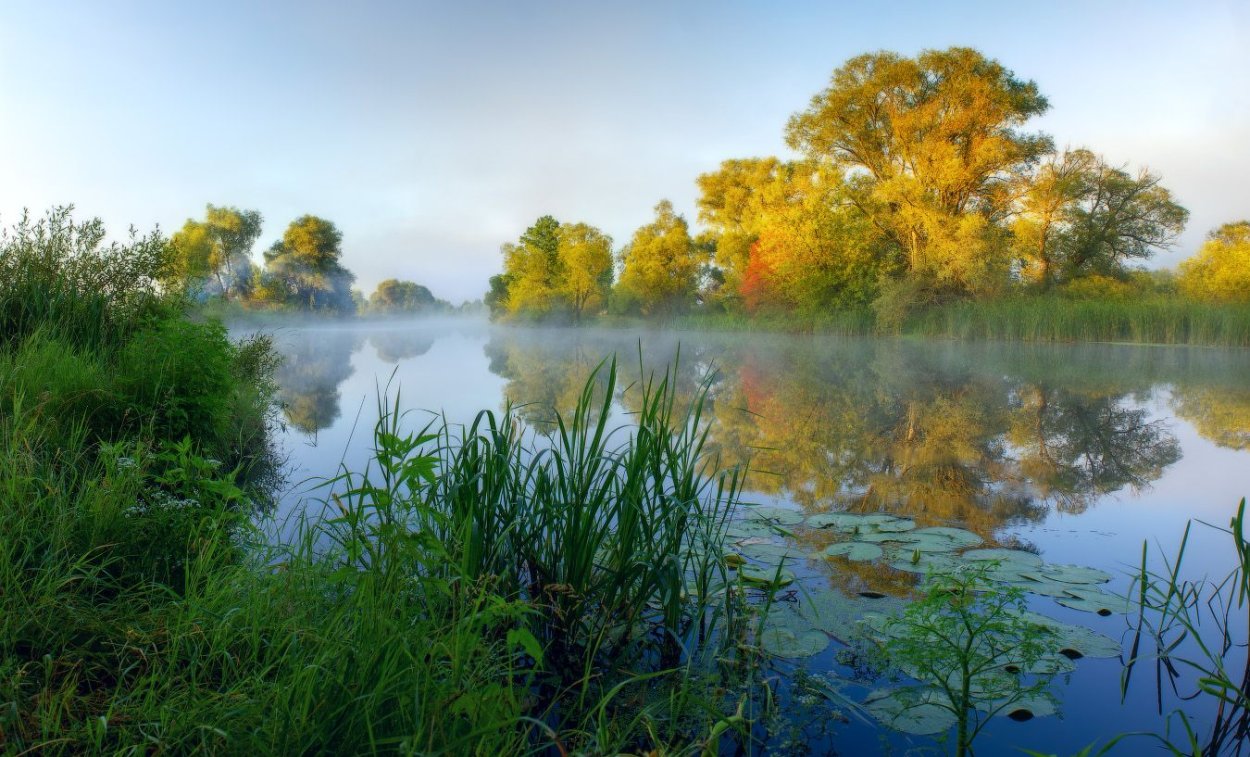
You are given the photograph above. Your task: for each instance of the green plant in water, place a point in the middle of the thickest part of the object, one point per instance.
(1198, 630)
(974, 652)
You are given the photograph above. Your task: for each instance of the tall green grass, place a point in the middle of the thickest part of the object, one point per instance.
(1156, 320)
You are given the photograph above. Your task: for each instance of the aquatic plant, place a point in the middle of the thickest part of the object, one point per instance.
(975, 651)
(1194, 633)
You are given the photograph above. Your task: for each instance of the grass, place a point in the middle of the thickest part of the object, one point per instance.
(474, 591)
(1154, 320)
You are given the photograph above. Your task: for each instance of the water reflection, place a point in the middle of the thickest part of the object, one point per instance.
(882, 426)
(981, 434)
(313, 367)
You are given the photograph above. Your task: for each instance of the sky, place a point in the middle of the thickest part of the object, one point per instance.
(431, 133)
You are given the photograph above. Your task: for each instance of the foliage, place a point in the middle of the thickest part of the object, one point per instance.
(928, 144)
(217, 251)
(1194, 633)
(393, 296)
(972, 647)
(554, 270)
(62, 276)
(1079, 215)
(660, 266)
(1220, 271)
(303, 268)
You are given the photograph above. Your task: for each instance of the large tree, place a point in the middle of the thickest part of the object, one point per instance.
(661, 265)
(1080, 215)
(303, 267)
(930, 146)
(585, 266)
(218, 249)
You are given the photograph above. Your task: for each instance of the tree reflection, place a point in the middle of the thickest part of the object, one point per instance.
(883, 426)
(314, 364)
(1220, 414)
(394, 345)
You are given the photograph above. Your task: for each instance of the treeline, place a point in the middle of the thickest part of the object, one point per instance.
(918, 185)
(213, 259)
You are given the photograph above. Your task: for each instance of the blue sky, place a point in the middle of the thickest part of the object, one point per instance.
(431, 133)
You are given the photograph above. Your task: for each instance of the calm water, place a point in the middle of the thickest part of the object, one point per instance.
(1079, 452)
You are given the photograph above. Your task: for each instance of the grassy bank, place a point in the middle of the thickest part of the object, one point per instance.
(1154, 320)
(471, 593)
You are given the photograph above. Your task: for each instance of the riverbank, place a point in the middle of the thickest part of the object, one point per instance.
(1152, 320)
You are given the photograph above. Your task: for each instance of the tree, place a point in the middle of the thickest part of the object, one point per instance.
(929, 146)
(303, 268)
(1220, 272)
(218, 248)
(394, 296)
(585, 265)
(553, 269)
(661, 266)
(532, 268)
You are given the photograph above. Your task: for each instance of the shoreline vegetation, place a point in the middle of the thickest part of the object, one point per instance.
(475, 590)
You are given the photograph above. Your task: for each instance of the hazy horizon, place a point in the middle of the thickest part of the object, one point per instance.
(430, 134)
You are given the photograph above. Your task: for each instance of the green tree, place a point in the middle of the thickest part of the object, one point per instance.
(1220, 272)
(303, 268)
(929, 146)
(532, 269)
(585, 265)
(219, 249)
(395, 296)
(660, 268)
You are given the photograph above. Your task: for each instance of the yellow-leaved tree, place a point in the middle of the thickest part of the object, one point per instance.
(1220, 272)
(660, 267)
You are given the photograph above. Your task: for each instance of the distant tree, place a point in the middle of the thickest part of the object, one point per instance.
(496, 297)
(394, 296)
(1220, 271)
(219, 249)
(661, 265)
(585, 265)
(303, 268)
(553, 269)
(532, 268)
(929, 146)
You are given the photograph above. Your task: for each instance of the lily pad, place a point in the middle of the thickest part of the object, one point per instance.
(855, 551)
(1074, 642)
(922, 562)
(960, 537)
(1093, 600)
(1075, 574)
(771, 551)
(833, 520)
(787, 642)
(1026, 708)
(1006, 557)
(897, 525)
(910, 711)
(766, 576)
(901, 537)
(782, 516)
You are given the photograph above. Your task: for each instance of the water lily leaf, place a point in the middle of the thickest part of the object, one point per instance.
(909, 711)
(896, 525)
(1075, 574)
(782, 516)
(1026, 708)
(901, 537)
(833, 520)
(734, 560)
(921, 562)
(1093, 600)
(787, 642)
(1073, 641)
(771, 551)
(766, 576)
(961, 537)
(1043, 588)
(1007, 557)
(744, 529)
(855, 551)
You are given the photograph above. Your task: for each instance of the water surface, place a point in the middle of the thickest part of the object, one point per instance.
(1077, 452)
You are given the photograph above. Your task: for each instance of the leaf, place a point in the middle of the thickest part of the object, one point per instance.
(787, 642)
(523, 638)
(855, 551)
